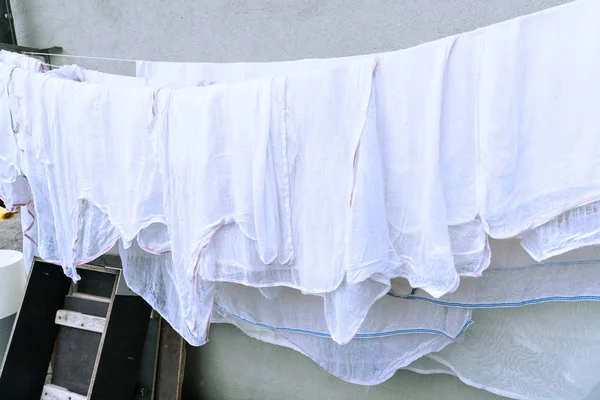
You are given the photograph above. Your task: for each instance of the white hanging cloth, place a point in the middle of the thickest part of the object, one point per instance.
(537, 127)
(362, 361)
(504, 352)
(501, 50)
(452, 61)
(14, 190)
(405, 181)
(539, 352)
(95, 233)
(69, 171)
(150, 274)
(368, 272)
(514, 279)
(22, 61)
(555, 236)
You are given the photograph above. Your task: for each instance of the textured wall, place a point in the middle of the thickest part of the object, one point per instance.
(233, 366)
(249, 30)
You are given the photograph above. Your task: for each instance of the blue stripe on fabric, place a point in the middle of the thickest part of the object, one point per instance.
(541, 265)
(498, 305)
(358, 335)
(12, 124)
(447, 304)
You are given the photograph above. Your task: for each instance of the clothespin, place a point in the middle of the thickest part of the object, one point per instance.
(4, 214)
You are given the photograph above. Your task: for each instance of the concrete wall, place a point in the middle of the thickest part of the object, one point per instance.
(233, 366)
(249, 30)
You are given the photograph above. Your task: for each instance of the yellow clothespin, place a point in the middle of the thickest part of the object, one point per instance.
(5, 214)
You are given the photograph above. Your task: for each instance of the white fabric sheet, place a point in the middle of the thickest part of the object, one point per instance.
(514, 279)
(501, 79)
(249, 170)
(537, 119)
(69, 171)
(522, 353)
(542, 352)
(291, 311)
(362, 361)
(334, 181)
(405, 207)
(22, 61)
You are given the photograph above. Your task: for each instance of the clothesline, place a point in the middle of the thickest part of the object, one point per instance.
(78, 56)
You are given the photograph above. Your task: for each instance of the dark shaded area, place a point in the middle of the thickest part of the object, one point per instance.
(30, 350)
(121, 355)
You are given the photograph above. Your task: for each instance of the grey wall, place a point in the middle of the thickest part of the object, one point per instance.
(233, 366)
(249, 30)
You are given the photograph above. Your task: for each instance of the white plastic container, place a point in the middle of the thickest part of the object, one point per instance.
(12, 289)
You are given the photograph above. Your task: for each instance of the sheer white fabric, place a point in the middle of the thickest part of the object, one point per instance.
(362, 361)
(76, 73)
(14, 190)
(156, 278)
(521, 353)
(9, 156)
(196, 74)
(70, 157)
(515, 279)
(578, 227)
(150, 274)
(458, 156)
(537, 119)
(405, 202)
(496, 67)
(242, 229)
(542, 352)
(95, 233)
(400, 75)
(291, 198)
(296, 312)
(13, 153)
(22, 61)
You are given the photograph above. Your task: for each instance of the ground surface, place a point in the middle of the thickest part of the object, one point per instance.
(10, 234)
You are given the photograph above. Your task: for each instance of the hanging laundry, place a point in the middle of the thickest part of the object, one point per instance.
(79, 145)
(528, 352)
(331, 206)
(22, 61)
(537, 120)
(514, 279)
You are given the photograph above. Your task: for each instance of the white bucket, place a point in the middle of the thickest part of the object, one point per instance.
(12, 289)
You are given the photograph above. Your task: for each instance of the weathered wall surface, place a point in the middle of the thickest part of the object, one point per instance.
(244, 30)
